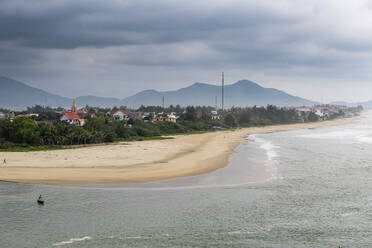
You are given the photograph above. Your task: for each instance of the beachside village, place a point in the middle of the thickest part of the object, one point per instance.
(79, 117)
(45, 126)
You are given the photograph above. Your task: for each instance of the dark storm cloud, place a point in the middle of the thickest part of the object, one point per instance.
(47, 24)
(129, 43)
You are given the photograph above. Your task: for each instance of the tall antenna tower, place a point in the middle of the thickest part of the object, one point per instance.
(223, 84)
(163, 102)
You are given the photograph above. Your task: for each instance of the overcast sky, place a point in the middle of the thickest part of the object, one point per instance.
(319, 49)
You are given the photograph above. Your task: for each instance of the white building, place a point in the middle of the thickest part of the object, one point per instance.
(172, 117)
(215, 115)
(118, 115)
(72, 119)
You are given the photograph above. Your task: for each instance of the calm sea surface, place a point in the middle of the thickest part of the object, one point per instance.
(305, 188)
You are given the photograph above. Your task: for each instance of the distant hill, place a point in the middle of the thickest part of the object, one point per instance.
(242, 93)
(17, 95)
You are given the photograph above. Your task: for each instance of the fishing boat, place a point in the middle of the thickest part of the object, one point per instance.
(40, 200)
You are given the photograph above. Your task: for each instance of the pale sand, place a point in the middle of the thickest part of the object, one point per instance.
(141, 161)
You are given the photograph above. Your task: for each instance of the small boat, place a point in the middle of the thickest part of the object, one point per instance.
(40, 200)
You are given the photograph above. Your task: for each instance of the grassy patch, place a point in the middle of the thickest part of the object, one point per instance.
(151, 138)
(190, 133)
(32, 148)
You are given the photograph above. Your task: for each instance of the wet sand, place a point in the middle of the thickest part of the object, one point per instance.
(131, 162)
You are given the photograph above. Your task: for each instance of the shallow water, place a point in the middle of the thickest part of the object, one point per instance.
(304, 188)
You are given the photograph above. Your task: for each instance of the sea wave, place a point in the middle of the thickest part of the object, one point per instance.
(72, 240)
(364, 138)
(349, 214)
(266, 145)
(360, 135)
(270, 150)
(271, 153)
(238, 232)
(339, 134)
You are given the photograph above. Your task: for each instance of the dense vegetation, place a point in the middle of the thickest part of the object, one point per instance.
(24, 131)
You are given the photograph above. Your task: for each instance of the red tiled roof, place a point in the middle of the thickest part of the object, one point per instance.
(70, 115)
(114, 111)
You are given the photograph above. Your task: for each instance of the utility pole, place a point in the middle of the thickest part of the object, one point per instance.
(223, 84)
(163, 103)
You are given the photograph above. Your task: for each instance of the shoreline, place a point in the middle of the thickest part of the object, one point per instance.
(139, 161)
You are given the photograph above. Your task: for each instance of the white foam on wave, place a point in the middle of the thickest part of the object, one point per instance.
(270, 150)
(339, 134)
(72, 240)
(360, 135)
(271, 154)
(267, 145)
(349, 214)
(364, 138)
(133, 237)
(238, 232)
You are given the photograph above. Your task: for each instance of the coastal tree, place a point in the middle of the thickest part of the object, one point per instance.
(230, 120)
(312, 117)
(24, 130)
(190, 114)
(244, 117)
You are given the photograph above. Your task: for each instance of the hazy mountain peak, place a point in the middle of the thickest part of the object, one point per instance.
(242, 93)
(150, 91)
(198, 84)
(14, 94)
(247, 83)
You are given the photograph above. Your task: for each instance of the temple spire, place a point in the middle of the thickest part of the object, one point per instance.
(73, 108)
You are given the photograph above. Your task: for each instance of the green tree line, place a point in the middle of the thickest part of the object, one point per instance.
(25, 131)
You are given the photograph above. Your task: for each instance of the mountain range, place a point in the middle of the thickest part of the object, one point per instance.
(17, 95)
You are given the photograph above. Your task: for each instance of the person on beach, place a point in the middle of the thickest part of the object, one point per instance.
(4, 161)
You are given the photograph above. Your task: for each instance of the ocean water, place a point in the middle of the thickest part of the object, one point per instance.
(303, 188)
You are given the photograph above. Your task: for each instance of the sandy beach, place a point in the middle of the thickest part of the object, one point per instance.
(130, 162)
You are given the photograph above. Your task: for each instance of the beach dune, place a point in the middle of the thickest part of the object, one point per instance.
(133, 162)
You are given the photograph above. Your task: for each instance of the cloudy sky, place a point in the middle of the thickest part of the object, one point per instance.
(319, 49)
